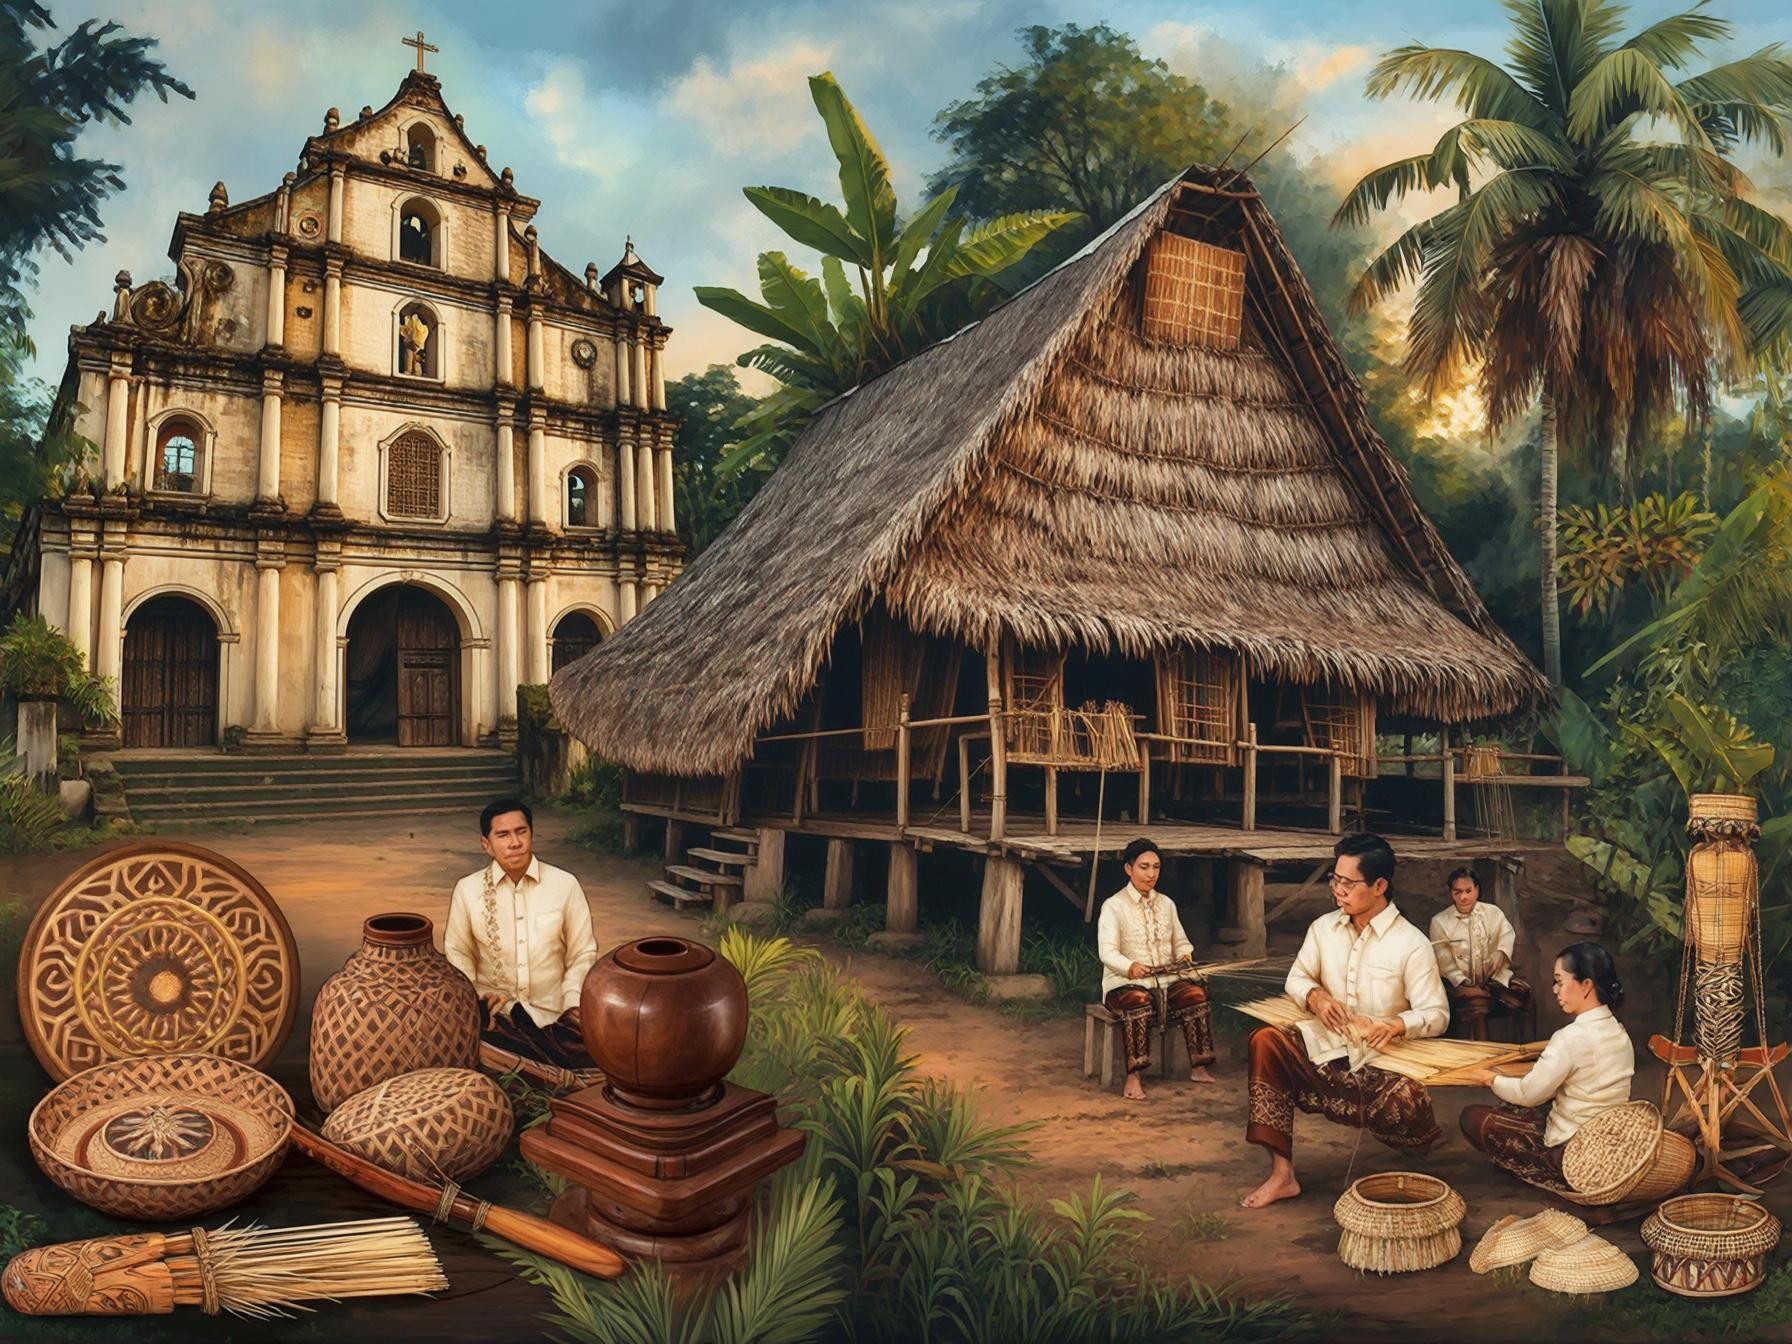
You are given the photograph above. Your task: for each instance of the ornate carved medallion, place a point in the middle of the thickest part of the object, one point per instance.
(310, 226)
(156, 948)
(584, 353)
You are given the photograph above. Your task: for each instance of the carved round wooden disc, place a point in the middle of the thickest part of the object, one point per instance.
(155, 948)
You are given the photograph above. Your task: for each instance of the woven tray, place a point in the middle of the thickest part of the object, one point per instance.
(166, 1137)
(1590, 1265)
(1609, 1155)
(157, 948)
(1514, 1240)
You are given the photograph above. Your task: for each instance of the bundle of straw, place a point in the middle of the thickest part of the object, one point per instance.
(253, 1272)
(1434, 1062)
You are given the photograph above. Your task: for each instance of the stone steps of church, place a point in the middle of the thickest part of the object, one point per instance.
(189, 765)
(153, 785)
(251, 804)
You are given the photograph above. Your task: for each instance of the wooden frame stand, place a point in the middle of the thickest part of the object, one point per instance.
(1703, 1101)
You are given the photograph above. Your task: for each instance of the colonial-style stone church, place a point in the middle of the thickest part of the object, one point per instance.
(374, 460)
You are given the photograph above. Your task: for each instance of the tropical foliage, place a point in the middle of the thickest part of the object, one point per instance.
(912, 282)
(1585, 265)
(900, 1223)
(708, 406)
(1654, 542)
(38, 660)
(28, 816)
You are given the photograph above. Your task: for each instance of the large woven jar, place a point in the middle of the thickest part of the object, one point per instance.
(1721, 879)
(398, 1005)
(665, 1018)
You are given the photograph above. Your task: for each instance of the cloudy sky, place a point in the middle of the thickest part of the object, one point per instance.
(647, 119)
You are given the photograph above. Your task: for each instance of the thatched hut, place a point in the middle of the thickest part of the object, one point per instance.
(1136, 521)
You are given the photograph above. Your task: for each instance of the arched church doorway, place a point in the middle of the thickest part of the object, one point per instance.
(403, 682)
(575, 635)
(169, 695)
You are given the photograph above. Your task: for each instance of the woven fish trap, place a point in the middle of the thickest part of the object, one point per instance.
(1710, 1245)
(428, 1125)
(1398, 1222)
(1626, 1154)
(162, 1137)
(1706, 809)
(1515, 1240)
(1589, 1265)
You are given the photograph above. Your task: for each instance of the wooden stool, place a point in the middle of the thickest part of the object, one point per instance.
(1102, 1032)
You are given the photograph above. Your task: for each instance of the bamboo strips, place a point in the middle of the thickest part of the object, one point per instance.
(1430, 1061)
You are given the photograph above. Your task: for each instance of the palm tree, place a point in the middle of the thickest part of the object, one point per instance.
(916, 282)
(1601, 258)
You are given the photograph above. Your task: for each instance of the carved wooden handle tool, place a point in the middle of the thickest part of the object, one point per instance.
(464, 1211)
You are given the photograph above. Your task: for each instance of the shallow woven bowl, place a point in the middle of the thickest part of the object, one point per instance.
(1398, 1221)
(1590, 1265)
(1612, 1155)
(162, 1137)
(1710, 1245)
(1514, 1240)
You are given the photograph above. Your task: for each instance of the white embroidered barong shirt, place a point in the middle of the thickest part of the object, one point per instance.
(1468, 945)
(1386, 971)
(537, 943)
(1142, 927)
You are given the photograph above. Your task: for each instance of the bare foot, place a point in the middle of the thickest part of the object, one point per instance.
(1134, 1089)
(1199, 1074)
(1280, 1185)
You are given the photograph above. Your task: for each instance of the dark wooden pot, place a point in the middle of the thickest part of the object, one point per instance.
(665, 1019)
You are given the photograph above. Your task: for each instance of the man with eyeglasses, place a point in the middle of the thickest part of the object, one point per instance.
(1369, 978)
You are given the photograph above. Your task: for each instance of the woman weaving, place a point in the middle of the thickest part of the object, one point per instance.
(1138, 931)
(1585, 1070)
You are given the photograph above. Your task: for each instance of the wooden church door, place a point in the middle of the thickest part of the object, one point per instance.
(428, 672)
(169, 691)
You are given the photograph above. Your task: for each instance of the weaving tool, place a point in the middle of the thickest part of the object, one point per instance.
(1435, 1063)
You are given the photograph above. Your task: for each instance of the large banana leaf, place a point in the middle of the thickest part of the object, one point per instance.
(813, 223)
(864, 172)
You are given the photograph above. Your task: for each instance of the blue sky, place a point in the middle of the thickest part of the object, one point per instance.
(644, 119)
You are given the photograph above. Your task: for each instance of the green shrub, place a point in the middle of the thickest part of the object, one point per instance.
(28, 818)
(38, 660)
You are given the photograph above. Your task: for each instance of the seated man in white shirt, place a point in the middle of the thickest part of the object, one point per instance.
(1474, 942)
(520, 930)
(1369, 979)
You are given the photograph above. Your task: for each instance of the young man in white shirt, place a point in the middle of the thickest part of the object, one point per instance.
(1369, 978)
(520, 930)
(1474, 943)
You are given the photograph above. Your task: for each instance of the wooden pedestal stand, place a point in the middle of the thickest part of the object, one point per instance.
(1702, 1101)
(663, 1155)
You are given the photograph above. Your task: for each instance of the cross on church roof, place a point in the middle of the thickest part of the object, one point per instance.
(421, 46)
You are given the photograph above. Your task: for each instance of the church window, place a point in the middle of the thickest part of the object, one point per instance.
(420, 147)
(414, 477)
(178, 454)
(420, 234)
(581, 498)
(419, 341)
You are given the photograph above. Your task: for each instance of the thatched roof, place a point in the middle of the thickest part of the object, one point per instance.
(1050, 474)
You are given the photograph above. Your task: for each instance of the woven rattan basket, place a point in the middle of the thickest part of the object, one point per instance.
(1396, 1222)
(1710, 1245)
(427, 1125)
(1590, 1265)
(1514, 1240)
(162, 1137)
(1625, 1154)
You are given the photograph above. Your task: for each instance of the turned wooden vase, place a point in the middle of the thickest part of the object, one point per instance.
(397, 1005)
(665, 1019)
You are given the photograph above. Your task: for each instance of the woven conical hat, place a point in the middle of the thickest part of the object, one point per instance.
(1610, 1153)
(1514, 1240)
(1590, 1265)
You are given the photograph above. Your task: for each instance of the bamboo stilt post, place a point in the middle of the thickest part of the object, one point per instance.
(1566, 821)
(1051, 800)
(1334, 810)
(998, 749)
(1250, 777)
(902, 752)
(1145, 784)
(964, 783)
(1449, 785)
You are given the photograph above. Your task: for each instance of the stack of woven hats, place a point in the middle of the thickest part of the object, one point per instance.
(1564, 1256)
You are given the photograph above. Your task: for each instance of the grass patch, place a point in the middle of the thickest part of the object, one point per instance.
(1159, 1170)
(1204, 1226)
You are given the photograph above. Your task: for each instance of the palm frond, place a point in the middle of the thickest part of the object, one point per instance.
(1398, 265)
(1671, 42)
(1625, 84)
(1390, 182)
(789, 1289)
(1480, 87)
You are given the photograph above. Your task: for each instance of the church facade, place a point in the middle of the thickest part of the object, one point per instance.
(371, 463)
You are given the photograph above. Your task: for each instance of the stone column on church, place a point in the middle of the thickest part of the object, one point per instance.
(329, 445)
(332, 305)
(504, 469)
(622, 397)
(267, 645)
(502, 357)
(277, 295)
(637, 373)
(80, 602)
(625, 487)
(333, 233)
(118, 403)
(668, 523)
(535, 639)
(535, 353)
(509, 650)
(108, 651)
(323, 713)
(646, 512)
(626, 599)
(267, 490)
(657, 354)
(538, 467)
(501, 243)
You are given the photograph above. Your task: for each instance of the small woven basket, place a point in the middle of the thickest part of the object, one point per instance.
(1590, 1265)
(1625, 1154)
(1710, 1245)
(1514, 1240)
(1397, 1222)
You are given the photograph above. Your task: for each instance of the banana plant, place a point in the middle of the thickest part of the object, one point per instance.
(831, 332)
(1707, 749)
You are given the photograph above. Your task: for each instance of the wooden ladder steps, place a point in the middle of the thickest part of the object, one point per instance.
(722, 858)
(682, 898)
(703, 876)
(740, 837)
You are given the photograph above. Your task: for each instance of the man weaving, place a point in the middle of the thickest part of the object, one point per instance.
(1369, 979)
(520, 930)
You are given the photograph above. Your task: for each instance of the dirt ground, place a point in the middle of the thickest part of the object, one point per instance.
(1180, 1151)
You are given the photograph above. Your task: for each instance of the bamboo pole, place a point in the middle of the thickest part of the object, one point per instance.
(1334, 811)
(902, 750)
(1250, 777)
(998, 749)
(964, 783)
(1449, 764)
